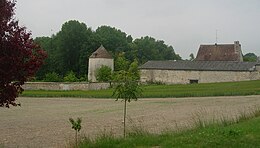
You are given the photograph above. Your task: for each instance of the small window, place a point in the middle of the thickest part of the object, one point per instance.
(194, 81)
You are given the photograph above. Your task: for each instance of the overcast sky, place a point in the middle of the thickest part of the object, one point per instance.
(184, 24)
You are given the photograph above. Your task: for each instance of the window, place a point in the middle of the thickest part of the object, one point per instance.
(194, 81)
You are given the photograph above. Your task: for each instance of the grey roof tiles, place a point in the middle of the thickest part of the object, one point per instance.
(101, 52)
(200, 65)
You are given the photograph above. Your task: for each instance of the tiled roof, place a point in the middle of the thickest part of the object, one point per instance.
(200, 65)
(101, 52)
(218, 52)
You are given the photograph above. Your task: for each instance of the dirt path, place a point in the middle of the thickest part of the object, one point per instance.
(43, 122)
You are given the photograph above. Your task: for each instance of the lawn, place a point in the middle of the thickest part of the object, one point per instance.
(164, 91)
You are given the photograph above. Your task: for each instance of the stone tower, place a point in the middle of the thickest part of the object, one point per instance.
(96, 60)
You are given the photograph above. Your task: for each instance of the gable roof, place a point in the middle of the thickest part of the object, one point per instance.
(101, 52)
(200, 65)
(219, 52)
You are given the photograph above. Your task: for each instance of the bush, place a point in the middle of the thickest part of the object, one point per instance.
(104, 74)
(83, 78)
(52, 77)
(70, 77)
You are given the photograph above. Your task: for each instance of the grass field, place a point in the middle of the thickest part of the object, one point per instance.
(164, 91)
(244, 132)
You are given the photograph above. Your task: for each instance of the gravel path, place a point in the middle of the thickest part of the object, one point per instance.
(43, 122)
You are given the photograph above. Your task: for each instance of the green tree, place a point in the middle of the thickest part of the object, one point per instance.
(134, 71)
(71, 47)
(104, 74)
(48, 65)
(147, 48)
(126, 88)
(121, 63)
(250, 57)
(76, 125)
(71, 41)
(113, 39)
(192, 57)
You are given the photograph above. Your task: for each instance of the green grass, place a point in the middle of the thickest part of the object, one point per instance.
(73, 93)
(164, 91)
(243, 131)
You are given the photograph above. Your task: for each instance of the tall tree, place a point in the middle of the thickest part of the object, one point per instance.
(49, 63)
(71, 47)
(113, 39)
(71, 41)
(147, 48)
(20, 57)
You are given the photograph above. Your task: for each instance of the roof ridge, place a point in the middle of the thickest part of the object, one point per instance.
(101, 52)
(200, 65)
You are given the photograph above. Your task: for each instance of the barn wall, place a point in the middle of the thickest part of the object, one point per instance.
(96, 63)
(257, 67)
(184, 77)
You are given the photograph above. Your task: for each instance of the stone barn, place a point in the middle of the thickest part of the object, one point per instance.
(220, 52)
(98, 58)
(214, 63)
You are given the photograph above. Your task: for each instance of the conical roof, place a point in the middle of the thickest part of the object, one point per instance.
(101, 52)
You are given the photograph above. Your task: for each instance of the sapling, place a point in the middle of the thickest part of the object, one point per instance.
(127, 88)
(76, 125)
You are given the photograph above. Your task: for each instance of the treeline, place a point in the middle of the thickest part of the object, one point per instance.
(69, 49)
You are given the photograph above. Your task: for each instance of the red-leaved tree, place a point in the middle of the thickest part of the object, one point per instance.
(20, 57)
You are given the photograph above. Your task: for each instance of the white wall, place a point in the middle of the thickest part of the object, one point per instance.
(96, 63)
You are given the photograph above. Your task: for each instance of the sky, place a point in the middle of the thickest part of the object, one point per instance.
(183, 24)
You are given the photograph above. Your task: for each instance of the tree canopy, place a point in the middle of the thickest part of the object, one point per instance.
(20, 57)
(71, 47)
(250, 57)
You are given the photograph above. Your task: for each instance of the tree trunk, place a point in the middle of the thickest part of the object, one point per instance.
(76, 138)
(124, 119)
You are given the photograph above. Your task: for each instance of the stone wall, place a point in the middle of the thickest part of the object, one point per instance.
(257, 67)
(64, 86)
(184, 76)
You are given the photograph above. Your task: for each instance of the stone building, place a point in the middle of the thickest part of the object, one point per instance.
(214, 63)
(220, 52)
(98, 58)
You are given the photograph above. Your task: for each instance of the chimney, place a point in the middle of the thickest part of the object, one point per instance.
(236, 43)
(238, 51)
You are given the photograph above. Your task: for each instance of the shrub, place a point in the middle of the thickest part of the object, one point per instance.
(104, 74)
(83, 78)
(52, 77)
(76, 125)
(70, 77)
